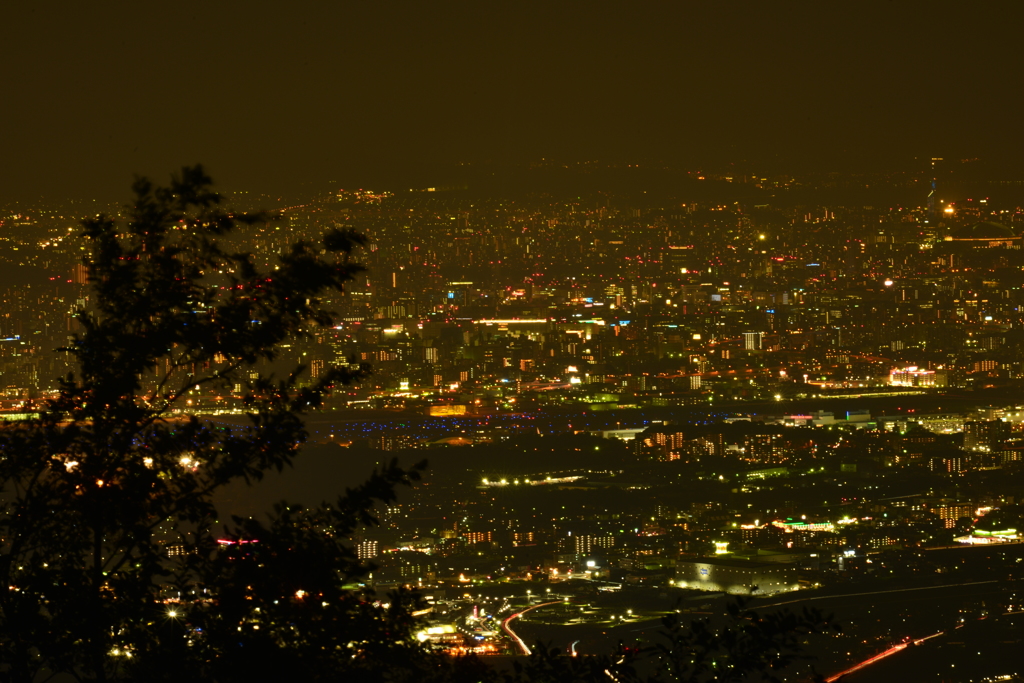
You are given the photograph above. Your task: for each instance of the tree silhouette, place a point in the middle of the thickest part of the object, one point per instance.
(109, 476)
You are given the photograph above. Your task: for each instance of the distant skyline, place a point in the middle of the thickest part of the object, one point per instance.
(275, 97)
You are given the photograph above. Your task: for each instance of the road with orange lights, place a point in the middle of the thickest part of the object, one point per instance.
(881, 655)
(512, 634)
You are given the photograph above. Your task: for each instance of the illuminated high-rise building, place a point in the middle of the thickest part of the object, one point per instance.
(366, 550)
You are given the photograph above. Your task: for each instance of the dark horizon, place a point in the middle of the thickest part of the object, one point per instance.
(347, 94)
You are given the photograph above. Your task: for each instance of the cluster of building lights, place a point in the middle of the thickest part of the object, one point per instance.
(530, 482)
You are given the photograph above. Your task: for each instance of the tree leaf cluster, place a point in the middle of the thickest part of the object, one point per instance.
(107, 522)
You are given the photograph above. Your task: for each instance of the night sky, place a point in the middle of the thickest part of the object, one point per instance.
(283, 97)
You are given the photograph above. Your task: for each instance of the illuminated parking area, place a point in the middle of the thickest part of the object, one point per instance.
(737, 576)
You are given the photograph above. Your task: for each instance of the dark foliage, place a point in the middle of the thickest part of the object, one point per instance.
(111, 475)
